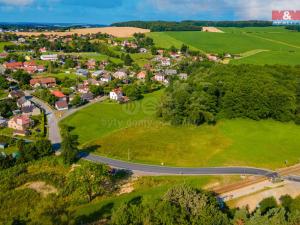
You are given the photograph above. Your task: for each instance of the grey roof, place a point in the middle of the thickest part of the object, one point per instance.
(87, 96)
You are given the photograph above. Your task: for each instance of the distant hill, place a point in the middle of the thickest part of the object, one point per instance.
(190, 25)
(28, 26)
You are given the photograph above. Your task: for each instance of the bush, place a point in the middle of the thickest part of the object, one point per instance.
(267, 204)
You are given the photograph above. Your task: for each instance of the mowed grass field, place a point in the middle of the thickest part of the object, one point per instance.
(131, 132)
(281, 45)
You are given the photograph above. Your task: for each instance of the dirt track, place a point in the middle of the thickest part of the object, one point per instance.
(121, 32)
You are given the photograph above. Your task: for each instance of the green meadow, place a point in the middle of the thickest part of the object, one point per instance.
(281, 46)
(132, 132)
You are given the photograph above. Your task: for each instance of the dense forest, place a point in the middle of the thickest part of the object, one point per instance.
(227, 91)
(189, 25)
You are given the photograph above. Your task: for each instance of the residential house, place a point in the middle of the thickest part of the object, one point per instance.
(3, 55)
(165, 62)
(32, 67)
(16, 94)
(183, 76)
(82, 88)
(23, 102)
(212, 57)
(43, 50)
(87, 97)
(98, 73)
(31, 110)
(121, 74)
(106, 78)
(59, 95)
(46, 82)
(52, 57)
(21, 40)
(13, 65)
(116, 94)
(170, 72)
(175, 55)
(159, 77)
(61, 105)
(141, 75)
(91, 64)
(92, 82)
(82, 72)
(143, 50)
(20, 122)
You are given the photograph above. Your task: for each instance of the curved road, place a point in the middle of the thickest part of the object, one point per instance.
(177, 170)
(55, 138)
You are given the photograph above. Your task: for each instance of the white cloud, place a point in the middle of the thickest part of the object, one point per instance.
(242, 9)
(20, 3)
(260, 9)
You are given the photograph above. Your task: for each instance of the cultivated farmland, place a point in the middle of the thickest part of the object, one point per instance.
(273, 45)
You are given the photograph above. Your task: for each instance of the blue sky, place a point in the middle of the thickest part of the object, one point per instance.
(109, 11)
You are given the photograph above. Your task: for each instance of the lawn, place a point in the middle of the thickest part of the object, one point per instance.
(131, 132)
(111, 117)
(62, 75)
(96, 56)
(283, 46)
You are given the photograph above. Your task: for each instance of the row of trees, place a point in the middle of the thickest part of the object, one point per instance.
(226, 91)
(294, 28)
(190, 25)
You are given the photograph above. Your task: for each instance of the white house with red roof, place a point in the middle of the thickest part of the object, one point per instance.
(116, 94)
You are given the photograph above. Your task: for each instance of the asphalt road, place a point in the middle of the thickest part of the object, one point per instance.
(53, 128)
(152, 169)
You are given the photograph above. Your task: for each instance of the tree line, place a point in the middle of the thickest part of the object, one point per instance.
(186, 205)
(214, 92)
(190, 25)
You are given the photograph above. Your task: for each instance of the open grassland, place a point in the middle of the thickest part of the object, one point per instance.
(131, 132)
(114, 31)
(265, 45)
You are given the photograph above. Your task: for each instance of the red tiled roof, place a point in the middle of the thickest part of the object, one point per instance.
(30, 64)
(58, 94)
(13, 65)
(46, 80)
